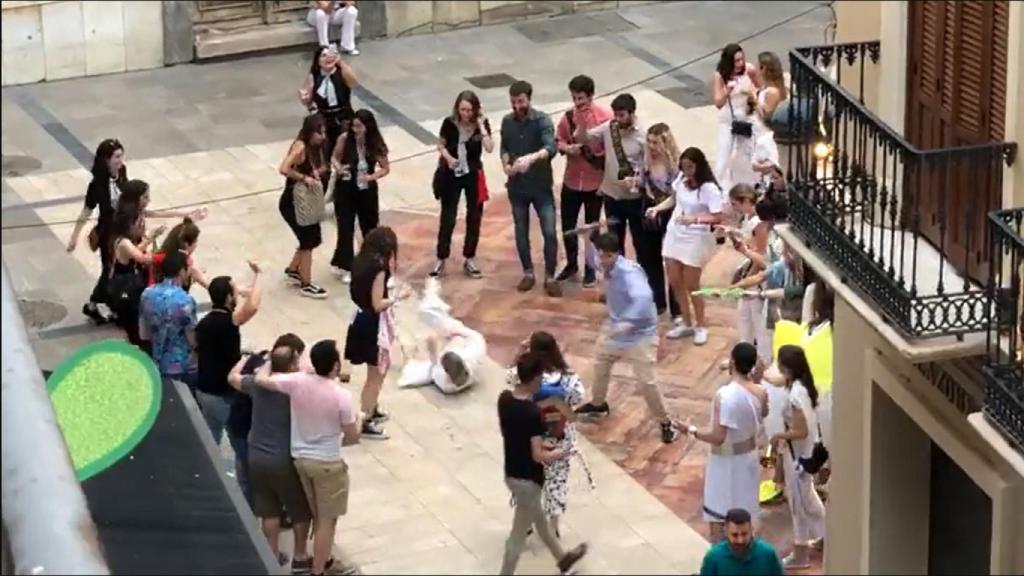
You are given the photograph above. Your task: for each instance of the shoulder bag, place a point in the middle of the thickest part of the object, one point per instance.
(595, 160)
(740, 128)
(309, 203)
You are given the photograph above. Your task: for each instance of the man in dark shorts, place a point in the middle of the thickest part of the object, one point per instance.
(522, 432)
(274, 483)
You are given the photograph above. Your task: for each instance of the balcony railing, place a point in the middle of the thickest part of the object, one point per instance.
(883, 211)
(1004, 390)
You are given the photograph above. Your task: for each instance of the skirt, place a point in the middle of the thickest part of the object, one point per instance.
(731, 482)
(692, 249)
(309, 237)
(361, 341)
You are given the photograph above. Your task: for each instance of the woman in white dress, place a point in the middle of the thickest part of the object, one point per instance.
(733, 474)
(735, 83)
(797, 442)
(689, 241)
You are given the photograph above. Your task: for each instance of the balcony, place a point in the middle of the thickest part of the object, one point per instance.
(1004, 370)
(891, 218)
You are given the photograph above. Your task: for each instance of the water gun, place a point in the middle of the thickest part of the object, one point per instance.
(723, 293)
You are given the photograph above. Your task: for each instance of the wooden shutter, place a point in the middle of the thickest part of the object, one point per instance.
(1000, 38)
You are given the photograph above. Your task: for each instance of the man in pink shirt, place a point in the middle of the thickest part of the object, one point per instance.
(584, 172)
(322, 420)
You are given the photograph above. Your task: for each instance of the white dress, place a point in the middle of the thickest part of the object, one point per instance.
(725, 140)
(805, 505)
(692, 244)
(733, 481)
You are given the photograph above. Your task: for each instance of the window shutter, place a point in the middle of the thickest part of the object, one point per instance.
(1000, 36)
(948, 46)
(974, 74)
(930, 42)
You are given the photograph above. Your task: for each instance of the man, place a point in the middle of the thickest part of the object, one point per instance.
(624, 142)
(741, 554)
(167, 319)
(522, 432)
(584, 171)
(527, 147)
(630, 334)
(219, 346)
(322, 421)
(276, 488)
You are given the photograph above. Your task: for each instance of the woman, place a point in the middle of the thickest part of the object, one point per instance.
(135, 198)
(689, 244)
(184, 237)
(773, 86)
(751, 240)
(735, 84)
(328, 91)
(465, 135)
(659, 171)
(371, 271)
(360, 160)
(131, 258)
(796, 443)
(304, 163)
(108, 175)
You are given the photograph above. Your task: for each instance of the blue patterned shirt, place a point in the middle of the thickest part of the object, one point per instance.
(167, 314)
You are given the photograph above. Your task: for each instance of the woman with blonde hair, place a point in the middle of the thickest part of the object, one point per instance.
(773, 91)
(660, 169)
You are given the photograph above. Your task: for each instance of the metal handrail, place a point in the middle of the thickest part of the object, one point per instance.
(45, 514)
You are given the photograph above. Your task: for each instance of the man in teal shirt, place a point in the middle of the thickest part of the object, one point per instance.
(741, 554)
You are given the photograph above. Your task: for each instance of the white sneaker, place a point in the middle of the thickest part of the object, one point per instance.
(680, 330)
(700, 336)
(342, 274)
(313, 291)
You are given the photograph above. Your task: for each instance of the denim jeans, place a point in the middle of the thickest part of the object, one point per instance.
(240, 445)
(543, 203)
(215, 411)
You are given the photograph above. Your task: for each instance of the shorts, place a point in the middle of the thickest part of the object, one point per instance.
(276, 489)
(326, 485)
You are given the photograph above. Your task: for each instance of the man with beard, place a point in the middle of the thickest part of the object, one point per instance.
(741, 553)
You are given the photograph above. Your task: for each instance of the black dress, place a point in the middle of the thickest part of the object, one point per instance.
(127, 281)
(361, 341)
(309, 237)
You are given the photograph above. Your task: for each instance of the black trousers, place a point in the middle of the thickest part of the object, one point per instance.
(99, 292)
(351, 203)
(654, 264)
(626, 213)
(572, 200)
(449, 214)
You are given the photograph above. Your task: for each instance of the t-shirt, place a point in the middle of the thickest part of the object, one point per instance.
(760, 560)
(319, 409)
(167, 313)
(520, 423)
(707, 199)
(219, 347)
(270, 434)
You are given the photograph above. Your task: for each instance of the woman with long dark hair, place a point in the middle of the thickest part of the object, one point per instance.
(304, 163)
(796, 443)
(327, 90)
(689, 243)
(184, 238)
(130, 258)
(371, 270)
(661, 166)
(361, 160)
(735, 84)
(465, 136)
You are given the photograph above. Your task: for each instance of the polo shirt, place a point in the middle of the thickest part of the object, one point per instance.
(760, 560)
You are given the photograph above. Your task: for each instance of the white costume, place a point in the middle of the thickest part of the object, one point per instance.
(733, 473)
(805, 505)
(346, 17)
(740, 111)
(692, 244)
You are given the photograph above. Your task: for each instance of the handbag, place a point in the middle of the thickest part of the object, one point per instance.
(309, 203)
(595, 160)
(482, 193)
(819, 456)
(740, 128)
(440, 178)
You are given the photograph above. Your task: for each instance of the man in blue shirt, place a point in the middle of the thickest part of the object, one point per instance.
(631, 334)
(168, 320)
(527, 147)
(741, 554)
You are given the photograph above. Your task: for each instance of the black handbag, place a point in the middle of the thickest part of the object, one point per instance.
(741, 128)
(440, 181)
(819, 456)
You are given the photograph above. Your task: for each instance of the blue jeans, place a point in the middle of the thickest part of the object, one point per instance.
(543, 203)
(215, 411)
(240, 445)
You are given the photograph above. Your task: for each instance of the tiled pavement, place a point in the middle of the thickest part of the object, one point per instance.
(431, 499)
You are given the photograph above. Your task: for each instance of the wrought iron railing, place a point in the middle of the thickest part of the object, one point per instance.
(1004, 390)
(881, 209)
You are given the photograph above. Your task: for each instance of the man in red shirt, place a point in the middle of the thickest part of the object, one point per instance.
(584, 171)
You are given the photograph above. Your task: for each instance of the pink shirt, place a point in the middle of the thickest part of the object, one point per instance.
(319, 408)
(580, 175)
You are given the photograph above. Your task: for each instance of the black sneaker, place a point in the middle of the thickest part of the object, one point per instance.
(438, 269)
(669, 432)
(302, 567)
(589, 277)
(380, 415)
(372, 430)
(571, 558)
(292, 276)
(93, 312)
(567, 273)
(471, 270)
(313, 291)
(591, 409)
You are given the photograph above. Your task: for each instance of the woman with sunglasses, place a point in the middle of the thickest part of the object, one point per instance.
(328, 91)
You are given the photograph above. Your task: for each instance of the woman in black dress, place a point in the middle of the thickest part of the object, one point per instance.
(131, 257)
(360, 160)
(371, 271)
(304, 162)
(327, 90)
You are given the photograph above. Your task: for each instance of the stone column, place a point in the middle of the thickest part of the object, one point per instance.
(179, 39)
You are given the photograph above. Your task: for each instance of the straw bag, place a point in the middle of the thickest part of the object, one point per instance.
(309, 203)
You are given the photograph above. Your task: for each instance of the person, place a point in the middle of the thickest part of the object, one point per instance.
(456, 351)
(364, 343)
(304, 163)
(584, 172)
(631, 334)
(184, 237)
(327, 90)
(276, 488)
(168, 321)
(689, 242)
(464, 137)
(795, 444)
(623, 140)
(327, 13)
(773, 92)
(219, 346)
(659, 172)
(527, 148)
(109, 174)
(323, 419)
(135, 198)
(751, 240)
(741, 553)
(361, 160)
(525, 455)
(131, 258)
(734, 82)
(732, 476)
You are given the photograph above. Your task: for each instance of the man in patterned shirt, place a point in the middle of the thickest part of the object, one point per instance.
(168, 320)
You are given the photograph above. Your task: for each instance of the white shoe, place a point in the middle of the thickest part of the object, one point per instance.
(700, 336)
(680, 330)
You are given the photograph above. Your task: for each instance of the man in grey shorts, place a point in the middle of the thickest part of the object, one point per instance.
(276, 488)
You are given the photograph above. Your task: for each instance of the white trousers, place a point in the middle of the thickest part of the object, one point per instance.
(754, 327)
(345, 17)
(723, 151)
(805, 506)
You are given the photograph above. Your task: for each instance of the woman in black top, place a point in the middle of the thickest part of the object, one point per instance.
(465, 135)
(131, 258)
(360, 160)
(371, 271)
(108, 175)
(305, 162)
(328, 90)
